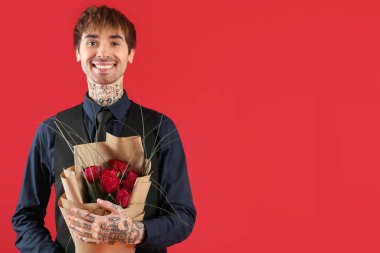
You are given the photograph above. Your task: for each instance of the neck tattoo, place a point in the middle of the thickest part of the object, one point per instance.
(105, 94)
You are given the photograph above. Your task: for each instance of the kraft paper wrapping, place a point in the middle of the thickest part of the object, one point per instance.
(123, 148)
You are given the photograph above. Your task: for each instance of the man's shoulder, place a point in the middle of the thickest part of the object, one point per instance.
(149, 113)
(49, 124)
(70, 109)
(156, 120)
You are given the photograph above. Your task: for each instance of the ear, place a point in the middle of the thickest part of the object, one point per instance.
(77, 55)
(131, 55)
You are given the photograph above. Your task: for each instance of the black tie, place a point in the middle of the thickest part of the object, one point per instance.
(103, 118)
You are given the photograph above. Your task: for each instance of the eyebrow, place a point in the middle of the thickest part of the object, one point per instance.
(116, 36)
(94, 36)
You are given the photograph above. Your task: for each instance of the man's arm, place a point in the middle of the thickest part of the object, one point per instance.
(28, 220)
(168, 229)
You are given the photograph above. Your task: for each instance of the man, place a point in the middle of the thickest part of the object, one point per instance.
(105, 40)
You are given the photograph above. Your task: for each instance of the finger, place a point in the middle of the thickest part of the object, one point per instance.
(84, 232)
(83, 214)
(115, 209)
(86, 239)
(80, 222)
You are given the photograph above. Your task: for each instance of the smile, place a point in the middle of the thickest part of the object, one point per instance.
(103, 66)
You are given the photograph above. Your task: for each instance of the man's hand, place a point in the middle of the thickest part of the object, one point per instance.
(115, 227)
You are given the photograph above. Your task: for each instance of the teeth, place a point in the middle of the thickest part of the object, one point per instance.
(103, 66)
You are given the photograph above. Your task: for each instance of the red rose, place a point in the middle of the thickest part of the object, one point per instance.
(130, 180)
(118, 165)
(122, 197)
(92, 173)
(132, 175)
(128, 184)
(109, 181)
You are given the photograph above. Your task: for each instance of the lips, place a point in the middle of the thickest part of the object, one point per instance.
(101, 66)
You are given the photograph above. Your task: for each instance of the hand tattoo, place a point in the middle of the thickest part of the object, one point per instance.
(114, 228)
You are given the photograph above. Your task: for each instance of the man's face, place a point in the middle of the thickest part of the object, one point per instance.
(103, 54)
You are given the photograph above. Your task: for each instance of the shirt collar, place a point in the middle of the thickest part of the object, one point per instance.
(118, 109)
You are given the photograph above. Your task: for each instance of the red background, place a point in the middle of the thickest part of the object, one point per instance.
(277, 103)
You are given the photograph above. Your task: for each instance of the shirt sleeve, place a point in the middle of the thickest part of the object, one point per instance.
(175, 197)
(28, 220)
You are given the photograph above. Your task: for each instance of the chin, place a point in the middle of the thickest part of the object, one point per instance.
(103, 81)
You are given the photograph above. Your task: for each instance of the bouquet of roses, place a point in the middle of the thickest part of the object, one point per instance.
(114, 170)
(114, 183)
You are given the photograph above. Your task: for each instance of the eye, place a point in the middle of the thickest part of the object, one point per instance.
(115, 44)
(91, 43)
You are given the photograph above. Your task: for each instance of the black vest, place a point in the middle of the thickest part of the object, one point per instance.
(63, 158)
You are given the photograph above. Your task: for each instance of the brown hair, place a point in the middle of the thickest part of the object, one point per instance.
(104, 17)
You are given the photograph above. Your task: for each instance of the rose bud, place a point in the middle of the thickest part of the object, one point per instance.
(92, 173)
(109, 181)
(129, 182)
(118, 165)
(122, 197)
(132, 175)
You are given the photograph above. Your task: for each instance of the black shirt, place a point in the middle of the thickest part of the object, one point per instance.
(163, 231)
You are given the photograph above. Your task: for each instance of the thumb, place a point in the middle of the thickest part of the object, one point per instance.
(113, 208)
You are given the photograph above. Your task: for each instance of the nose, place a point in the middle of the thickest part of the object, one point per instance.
(102, 51)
